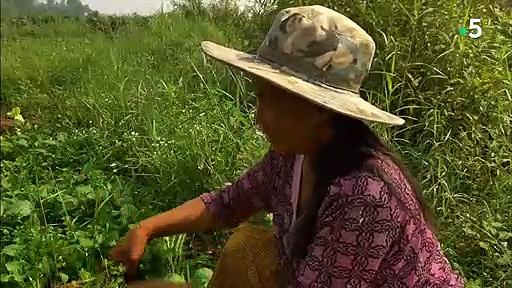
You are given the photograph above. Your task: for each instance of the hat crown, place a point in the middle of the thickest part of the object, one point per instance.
(318, 44)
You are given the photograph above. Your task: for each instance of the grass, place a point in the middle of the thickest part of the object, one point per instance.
(130, 120)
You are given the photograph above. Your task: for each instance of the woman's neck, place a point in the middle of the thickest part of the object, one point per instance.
(308, 165)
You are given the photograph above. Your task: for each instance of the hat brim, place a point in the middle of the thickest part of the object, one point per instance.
(343, 101)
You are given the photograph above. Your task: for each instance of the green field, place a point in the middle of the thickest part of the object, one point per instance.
(125, 118)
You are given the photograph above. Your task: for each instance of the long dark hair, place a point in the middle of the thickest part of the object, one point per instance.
(352, 145)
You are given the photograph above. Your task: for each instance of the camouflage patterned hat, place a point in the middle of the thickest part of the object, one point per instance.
(316, 53)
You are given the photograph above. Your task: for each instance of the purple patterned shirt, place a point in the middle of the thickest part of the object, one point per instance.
(366, 236)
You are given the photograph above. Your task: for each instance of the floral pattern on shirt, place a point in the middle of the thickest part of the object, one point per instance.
(366, 236)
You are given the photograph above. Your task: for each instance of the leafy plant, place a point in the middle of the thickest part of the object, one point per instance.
(133, 121)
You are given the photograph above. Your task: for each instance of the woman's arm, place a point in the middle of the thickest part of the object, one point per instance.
(191, 216)
(157, 284)
(224, 209)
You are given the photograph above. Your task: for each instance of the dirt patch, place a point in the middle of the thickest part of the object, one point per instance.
(7, 123)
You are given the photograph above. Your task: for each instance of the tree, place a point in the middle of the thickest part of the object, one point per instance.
(24, 7)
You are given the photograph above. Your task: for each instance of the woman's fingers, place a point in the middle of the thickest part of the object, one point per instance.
(122, 255)
(131, 269)
(129, 252)
(152, 284)
(118, 254)
(137, 245)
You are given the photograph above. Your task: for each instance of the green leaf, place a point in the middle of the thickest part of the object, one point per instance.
(13, 249)
(5, 278)
(84, 240)
(42, 151)
(69, 201)
(5, 183)
(14, 267)
(176, 279)
(49, 142)
(63, 277)
(22, 142)
(504, 235)
(16, 114)
(84, 190)
(43, 191)
(6, 146)
(23, 208)
(484, 245)
(86, 243)
(497, 224)
(201, 277)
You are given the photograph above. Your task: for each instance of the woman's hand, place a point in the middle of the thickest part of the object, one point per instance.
(157, 284)
(130, 250)
(189, 217)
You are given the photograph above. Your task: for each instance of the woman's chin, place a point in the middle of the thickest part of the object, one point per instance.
(282, 149)
(276, 148)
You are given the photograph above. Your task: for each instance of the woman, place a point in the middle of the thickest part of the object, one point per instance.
(346, 213)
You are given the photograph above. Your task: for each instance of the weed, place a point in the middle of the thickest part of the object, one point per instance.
(132, 121)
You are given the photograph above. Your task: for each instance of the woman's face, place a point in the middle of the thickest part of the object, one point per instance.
(291, 123)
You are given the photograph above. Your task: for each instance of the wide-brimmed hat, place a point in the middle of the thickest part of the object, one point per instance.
(316, 53)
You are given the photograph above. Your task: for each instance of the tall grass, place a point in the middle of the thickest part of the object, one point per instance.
(133, 120)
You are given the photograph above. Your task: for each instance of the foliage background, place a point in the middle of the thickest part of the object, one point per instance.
(125, 118)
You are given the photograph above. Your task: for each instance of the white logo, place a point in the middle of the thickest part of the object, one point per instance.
(473, 25)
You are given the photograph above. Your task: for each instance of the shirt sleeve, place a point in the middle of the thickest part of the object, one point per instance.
(357, 226)
(250, 194)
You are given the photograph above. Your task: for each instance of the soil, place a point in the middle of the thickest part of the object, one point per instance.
(7, 123)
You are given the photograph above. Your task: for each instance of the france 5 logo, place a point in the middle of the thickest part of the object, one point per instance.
(474, 26)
